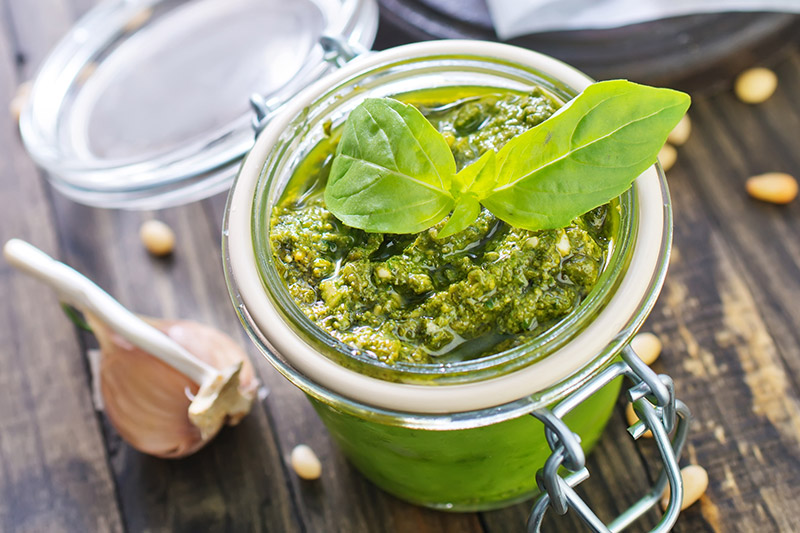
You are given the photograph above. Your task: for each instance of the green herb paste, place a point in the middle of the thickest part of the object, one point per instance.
(419, 299)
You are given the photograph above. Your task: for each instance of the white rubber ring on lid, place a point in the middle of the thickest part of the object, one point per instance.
(439, 398)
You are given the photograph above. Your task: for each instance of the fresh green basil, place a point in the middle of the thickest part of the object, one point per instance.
(473, 182)
(465, 212)
(478, 178)
(583, 156)
(393, 172)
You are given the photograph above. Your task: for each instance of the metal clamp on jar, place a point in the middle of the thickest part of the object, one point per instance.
(667, 416)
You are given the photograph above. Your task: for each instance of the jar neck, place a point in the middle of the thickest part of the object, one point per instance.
(331, 109)
(467, 405)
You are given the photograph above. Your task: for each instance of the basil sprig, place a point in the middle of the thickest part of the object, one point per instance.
(394, 173)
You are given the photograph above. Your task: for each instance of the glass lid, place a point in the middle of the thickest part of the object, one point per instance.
(144, 104)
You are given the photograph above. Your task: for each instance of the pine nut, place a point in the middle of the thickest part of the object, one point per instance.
(647, 346)
(755, 85)
(383, 273)
(774, 187)
(157, 237)
(563, 246)
(695, 483)
(667, 156)
(680, 133)
(305, 462)
(632, 418)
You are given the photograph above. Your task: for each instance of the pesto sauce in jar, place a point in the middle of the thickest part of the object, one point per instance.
(420, 299)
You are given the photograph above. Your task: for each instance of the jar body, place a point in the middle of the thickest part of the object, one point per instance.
(457, 438)
(474, 469)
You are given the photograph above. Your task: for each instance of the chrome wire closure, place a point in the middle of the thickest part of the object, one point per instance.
(653, 398)
(336, 51)
(263, 112)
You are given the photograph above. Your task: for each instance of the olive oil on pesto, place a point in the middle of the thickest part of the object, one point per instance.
(420, 299)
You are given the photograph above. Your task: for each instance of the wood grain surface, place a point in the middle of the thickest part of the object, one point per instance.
(729, 316)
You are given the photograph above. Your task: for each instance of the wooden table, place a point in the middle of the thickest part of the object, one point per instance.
(729, 317)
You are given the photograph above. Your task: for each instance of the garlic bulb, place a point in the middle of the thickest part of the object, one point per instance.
(168, 386)
(148, 401)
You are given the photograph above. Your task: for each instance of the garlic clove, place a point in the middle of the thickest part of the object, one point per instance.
(150, 372)
(219, 400)
(210, 346)
(230, 396)
(144, 398)
(148, 401)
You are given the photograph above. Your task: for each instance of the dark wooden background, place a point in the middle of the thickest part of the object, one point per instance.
(729, 316)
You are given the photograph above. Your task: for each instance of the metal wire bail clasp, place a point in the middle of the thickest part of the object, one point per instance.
(336, 51)
(653, 399)
(339, 51)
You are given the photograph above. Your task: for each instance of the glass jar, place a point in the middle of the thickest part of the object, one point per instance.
(144, 103)
(460, 437)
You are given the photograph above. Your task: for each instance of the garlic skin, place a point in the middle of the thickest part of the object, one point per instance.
(147, 401)
(168, 385)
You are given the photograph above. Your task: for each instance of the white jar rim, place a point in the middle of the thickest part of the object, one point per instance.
(318, 375)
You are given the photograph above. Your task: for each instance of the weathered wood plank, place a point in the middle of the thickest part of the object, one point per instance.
(730, 354)
(728, 371)
(735, 142)
(54, 474)
(236, 483)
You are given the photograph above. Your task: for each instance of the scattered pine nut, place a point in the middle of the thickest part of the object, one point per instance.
(755, 85)
(647, 346)
(695, 483)
(774, 187)
(680, 133)
(667, 156)
(305, 462)
(632, 418)
(21, 97)
(157, 237)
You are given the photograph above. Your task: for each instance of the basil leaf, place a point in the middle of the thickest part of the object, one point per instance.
(392, 171)
(472, 182)
(465, 212)
(477, 178)
(583, 156)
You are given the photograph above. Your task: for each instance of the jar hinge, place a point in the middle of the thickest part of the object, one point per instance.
(336, 50)
(654, 402)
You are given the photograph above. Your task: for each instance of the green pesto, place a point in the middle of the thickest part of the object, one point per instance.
(420, 299)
